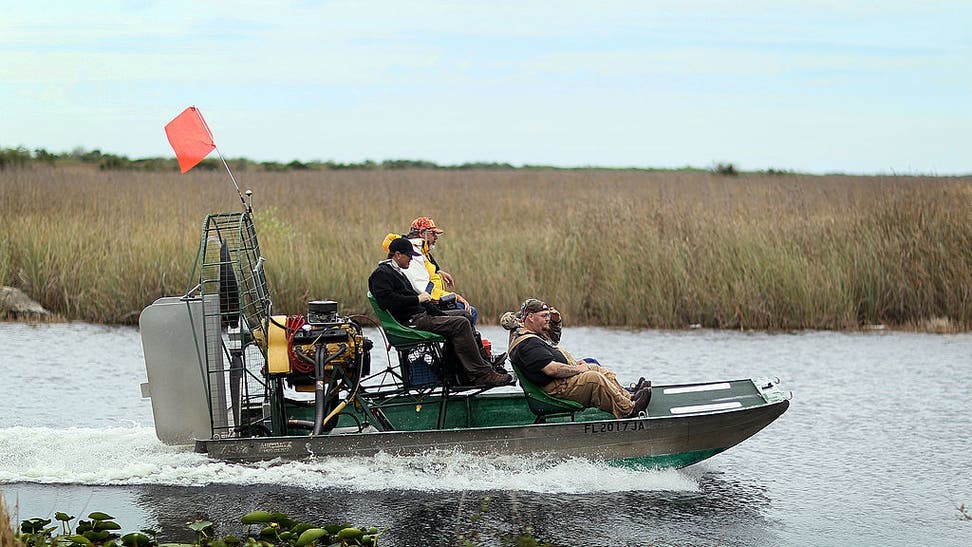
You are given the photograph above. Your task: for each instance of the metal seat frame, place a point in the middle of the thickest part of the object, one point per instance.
(410, 343)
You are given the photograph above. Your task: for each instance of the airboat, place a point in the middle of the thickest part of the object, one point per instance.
(231, 379)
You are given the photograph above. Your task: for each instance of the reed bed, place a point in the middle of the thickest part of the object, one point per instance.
(662, 249)
(7, 536)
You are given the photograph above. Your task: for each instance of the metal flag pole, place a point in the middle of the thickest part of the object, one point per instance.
(246, 207)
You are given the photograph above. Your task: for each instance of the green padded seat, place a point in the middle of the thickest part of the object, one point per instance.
(543, 405)
(419, 352)
(398, 334)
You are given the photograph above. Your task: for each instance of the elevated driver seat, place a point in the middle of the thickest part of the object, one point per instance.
(420, 353)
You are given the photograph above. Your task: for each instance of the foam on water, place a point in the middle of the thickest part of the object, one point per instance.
(133, 456)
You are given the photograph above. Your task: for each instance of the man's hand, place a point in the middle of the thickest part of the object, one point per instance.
(447, 279)
(424, 297)
(462, 300)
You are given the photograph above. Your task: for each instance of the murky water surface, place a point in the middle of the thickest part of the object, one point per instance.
(875, 450)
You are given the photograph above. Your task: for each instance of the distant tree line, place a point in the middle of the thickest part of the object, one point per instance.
(22, 158)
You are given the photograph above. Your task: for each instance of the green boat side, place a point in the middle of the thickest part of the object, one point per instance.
(509, 407)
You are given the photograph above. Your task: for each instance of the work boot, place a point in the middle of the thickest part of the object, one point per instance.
(635, 388)
(644, 390)
(493, 379)
(641, 400)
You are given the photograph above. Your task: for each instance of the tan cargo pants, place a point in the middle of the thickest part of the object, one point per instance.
(597, 387)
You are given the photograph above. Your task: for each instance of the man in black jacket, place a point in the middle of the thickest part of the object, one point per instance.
(394, 293)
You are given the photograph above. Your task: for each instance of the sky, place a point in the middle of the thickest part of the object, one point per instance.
(858, 87)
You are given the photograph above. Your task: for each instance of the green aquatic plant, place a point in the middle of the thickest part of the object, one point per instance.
(65, 521)
(264, 529)
(203, 528)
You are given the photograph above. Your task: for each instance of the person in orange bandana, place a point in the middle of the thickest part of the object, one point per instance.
(425, 273)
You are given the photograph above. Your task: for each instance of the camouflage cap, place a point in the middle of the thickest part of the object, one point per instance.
(532, 305)
(509, 321)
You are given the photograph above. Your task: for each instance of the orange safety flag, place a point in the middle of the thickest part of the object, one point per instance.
(190, 138)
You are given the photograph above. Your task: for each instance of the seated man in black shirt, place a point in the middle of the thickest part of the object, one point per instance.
(547, 367)
(394, 293)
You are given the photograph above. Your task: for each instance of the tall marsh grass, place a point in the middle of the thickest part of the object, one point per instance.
(626, 248)
(7, 536)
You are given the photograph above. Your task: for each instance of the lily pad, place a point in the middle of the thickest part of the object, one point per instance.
(310, 536)
(136, 539)
(256, 517)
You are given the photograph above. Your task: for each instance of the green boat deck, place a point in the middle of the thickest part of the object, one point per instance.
(407, 413)
(476, 409)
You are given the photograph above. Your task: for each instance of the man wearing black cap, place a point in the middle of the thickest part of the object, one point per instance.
(557, 374)
(394, 293)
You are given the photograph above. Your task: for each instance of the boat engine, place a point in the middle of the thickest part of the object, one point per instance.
(321, 352)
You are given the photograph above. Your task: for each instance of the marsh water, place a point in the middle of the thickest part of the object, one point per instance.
(876, 449)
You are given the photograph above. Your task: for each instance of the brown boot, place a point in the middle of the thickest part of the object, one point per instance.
(635, 388)
(641, 400)
(492, 379)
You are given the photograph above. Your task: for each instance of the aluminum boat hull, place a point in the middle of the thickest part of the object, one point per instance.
(661, 439)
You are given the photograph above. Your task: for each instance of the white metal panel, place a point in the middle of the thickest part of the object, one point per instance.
(173, 344)
(698, 388)
(705, 408)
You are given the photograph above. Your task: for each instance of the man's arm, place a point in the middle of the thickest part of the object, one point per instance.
(555, 326)
(556, 369)
(447, 279)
